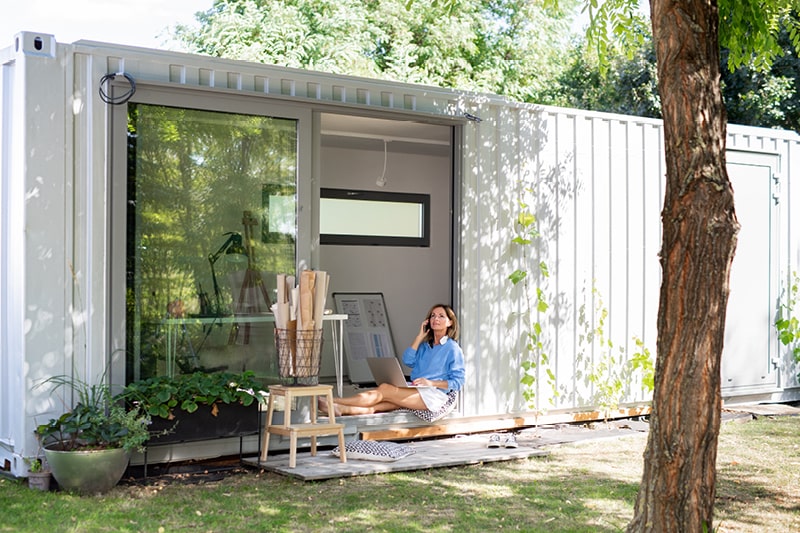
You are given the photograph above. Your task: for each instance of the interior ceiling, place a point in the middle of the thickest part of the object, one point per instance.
(366, 133)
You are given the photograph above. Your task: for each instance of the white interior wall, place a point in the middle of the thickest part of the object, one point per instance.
(411, 278)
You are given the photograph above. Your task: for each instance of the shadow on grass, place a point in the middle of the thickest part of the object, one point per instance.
(581, 488)
(529, 495)
(522, 496)
(742, 498)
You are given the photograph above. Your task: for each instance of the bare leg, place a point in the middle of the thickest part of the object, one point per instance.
(322, 405)
(385, 398)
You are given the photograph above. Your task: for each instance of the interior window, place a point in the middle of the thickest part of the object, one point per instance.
(211, 218)
(374, 218)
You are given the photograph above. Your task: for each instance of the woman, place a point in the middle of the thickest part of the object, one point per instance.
(437, 368)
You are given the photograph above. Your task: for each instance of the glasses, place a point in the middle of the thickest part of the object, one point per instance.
(433, 315)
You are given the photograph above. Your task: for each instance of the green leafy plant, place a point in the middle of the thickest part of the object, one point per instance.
(537, 361)
(788, 326)
(98, 420)
(159, 396)
(605, 373)
(35, 465)
(611, 372)
(642, 361)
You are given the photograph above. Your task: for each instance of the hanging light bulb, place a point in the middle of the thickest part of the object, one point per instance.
(381, 181)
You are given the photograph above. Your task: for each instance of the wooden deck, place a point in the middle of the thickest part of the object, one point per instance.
(452, 441)
(427, 454)
(405, 426)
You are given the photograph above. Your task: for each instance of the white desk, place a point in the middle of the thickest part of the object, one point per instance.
(337, 333)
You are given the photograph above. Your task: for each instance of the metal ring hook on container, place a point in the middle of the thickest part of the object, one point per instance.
(117, 100)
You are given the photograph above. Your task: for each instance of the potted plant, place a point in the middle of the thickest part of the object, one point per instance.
(88, 447)
(199, 405)
(38, 475)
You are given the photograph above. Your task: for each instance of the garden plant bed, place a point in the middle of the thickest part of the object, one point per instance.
(224, 420)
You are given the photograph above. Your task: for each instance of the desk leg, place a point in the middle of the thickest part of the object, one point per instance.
(337, 334)
(170, 355)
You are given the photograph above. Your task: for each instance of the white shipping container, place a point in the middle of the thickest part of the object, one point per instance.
(594, 182)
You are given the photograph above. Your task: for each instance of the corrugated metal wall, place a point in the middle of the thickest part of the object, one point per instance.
(780, 151)
(595, 185)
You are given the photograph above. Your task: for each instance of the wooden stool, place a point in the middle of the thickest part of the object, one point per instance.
(301, 430)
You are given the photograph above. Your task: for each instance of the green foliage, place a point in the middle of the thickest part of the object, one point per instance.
(605, 373)
(537, 360)
(615, 26)
(499, 46)
(610, 372)
(517, 49)
(759, 65)
(750, 30)
(159, 396)
(641, 361)
(754, 97)
(765, 97)
(96, 421)
(35, 465)
(786, 323)
(627, 86)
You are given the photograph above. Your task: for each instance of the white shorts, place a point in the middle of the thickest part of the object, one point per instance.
(433, 397)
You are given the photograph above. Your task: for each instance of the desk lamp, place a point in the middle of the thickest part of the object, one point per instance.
(234, 253)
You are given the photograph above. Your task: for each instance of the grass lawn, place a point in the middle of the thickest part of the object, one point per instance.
(589, 486)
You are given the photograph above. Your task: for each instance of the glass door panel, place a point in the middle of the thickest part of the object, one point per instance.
(211, 218)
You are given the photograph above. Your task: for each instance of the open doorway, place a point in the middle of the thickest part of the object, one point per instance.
(395, 159)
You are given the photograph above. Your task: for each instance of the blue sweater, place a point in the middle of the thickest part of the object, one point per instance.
(440, 362)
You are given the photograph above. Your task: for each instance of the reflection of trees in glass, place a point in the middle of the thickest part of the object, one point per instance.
(191, 176)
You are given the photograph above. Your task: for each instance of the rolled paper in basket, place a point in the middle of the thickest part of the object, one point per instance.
(306, 318)
(320, 293)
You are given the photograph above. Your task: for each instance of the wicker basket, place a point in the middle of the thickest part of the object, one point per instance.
(299, 355)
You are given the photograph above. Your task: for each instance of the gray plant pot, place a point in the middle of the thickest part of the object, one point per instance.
(87, 472)
(39, 480)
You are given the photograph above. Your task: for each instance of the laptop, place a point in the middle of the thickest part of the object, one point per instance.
(387, 370)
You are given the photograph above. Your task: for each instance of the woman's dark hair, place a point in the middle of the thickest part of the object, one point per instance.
(452, 331)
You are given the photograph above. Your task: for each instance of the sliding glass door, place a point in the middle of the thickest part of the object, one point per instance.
(210, 218)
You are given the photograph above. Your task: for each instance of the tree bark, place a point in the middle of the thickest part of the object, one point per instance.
(699, 239)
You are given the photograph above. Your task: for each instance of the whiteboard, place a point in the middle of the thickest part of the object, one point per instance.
(366, 331)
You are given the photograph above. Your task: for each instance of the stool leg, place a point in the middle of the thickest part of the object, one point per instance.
(332, 419)
(342, 457)
(265, 440)
(292, 449)
(331, 415)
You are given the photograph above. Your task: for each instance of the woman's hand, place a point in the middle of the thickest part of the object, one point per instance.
(423, 332)
(423, 328)
(425, 382)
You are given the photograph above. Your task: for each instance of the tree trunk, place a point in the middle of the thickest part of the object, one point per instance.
(699, 239)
